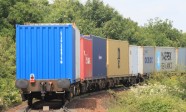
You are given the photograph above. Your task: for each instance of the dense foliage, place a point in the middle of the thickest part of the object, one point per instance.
(8, 93)
(163, 93)
(93, 17)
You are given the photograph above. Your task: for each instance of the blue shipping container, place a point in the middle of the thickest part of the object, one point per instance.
(99, 57)
(45, 51)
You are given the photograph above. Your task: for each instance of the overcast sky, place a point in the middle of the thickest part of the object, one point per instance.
(143, 10)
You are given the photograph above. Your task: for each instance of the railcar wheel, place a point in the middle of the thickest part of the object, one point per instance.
(30, 99)
(63, 99)
(127, 83)
(137, 80)
(69, 95)
(83, 88)
(141, 79)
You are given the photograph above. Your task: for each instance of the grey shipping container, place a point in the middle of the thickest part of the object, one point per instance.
(99, 57)
(181, 59)
(165, 59)
(148, 59)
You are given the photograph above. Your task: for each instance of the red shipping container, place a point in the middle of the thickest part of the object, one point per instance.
(85, 58)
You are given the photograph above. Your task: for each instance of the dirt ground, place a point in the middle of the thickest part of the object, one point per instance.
(93, 103)
(17, 108)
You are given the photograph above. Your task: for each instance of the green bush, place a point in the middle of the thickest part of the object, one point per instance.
(9, 95)
(165, 92)
(7, 57)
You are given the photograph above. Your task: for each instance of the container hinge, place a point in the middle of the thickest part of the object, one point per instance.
(43, 89)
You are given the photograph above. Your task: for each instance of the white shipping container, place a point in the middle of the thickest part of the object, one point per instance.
(140, 59)
(135, 60)
(77, 48)
(165, 59)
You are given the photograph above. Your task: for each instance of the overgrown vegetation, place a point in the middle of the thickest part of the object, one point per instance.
(164, 92)
(94, 17)
(8, 93)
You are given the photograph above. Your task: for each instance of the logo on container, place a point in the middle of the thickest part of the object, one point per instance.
(61, 47)
(149, 60)
(87, 60)
(99, 57)
(158, 65)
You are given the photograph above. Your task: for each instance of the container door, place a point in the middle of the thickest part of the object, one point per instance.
(148, 59)
(140, 59)
(77, 55)
(181, 59)
(86, 58)
(45, 51)
(133, 60)
(99, 57)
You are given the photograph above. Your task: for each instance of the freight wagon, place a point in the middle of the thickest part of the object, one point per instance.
(93, 59)
(54, 62)
(47, 60)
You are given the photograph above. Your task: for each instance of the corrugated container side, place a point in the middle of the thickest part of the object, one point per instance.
(140, 59)
(117, 58)
(47, 51)
(181, 59)
(77, 48)
(99, 57)
(133, 60)
(165, 58)
(148, 59)
(86, 58)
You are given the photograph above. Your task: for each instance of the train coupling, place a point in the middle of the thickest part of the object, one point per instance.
(43, 89)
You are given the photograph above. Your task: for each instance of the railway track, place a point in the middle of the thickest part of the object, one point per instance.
(57, 106)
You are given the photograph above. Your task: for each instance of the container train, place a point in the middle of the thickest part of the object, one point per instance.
(53, 61)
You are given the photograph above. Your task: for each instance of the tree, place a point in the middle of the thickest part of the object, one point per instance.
(19, 12)
(7, 57)
(162, 33)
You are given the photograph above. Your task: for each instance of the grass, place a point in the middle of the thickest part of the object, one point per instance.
(164, 92)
